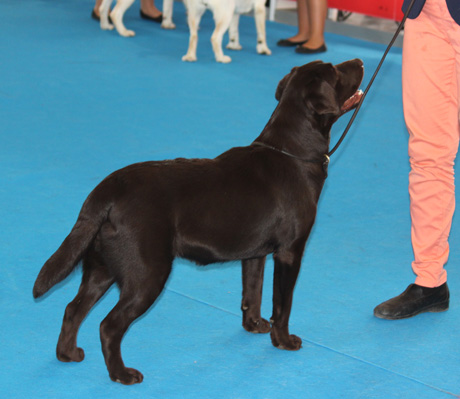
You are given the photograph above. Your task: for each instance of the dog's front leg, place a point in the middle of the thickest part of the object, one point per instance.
(167, 22)
(194, 13)
(253, 279)
(287, 266)
(222, 18)
(259, 16)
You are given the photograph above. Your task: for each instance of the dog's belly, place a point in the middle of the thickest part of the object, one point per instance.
(213, 246)
(227, 230)
(207, 254)
(244, 6)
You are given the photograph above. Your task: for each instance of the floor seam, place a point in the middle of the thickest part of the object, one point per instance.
(320, 345)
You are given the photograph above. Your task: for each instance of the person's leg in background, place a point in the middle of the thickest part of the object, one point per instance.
(311, 17)
(317, 13)
(303, 27)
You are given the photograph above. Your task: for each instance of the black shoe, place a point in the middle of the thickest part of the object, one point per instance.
(289, 43)
(158, 19)
(95, 16)
(416, 299)
(303, 50)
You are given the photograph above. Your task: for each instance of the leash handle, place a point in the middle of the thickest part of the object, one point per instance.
(373, 78)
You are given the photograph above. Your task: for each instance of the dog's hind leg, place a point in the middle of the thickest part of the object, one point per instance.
(287, 266)
(222, 18)
(139, 290)
(233, 34)
(195, 11)
(95, 282)
(104, 15)
(259, 17)
(253, 279)
(117, 17)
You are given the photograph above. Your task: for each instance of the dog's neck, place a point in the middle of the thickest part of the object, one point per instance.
(297, 134)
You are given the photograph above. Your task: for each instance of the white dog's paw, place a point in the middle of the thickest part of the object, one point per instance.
(262, 48)
(127, 33)
(189, 58)
(234, 46)
(106, 26)
(225, 59)
(168, 24)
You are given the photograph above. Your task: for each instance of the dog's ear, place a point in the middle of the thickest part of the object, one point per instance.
(323, 98)
(280, 88)
(282, 84)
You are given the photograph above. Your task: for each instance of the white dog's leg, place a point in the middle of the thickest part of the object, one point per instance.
(222, 18)
(117, 17)
(234, 37)
(167, 22)
(195, 11)
(259, 16)
(104, 15)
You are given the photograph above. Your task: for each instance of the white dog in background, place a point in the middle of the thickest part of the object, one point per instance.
(226, 17)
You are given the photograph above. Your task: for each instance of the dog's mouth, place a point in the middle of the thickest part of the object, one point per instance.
(352, 102)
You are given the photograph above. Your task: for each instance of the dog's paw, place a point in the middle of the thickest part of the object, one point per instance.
(262, 48)
(234, 46)
(106, 26)
(290, 342)
(127, 376)
(168, 25)
(127, 33)
(225, 59)
(189, 58)
(74, 355)
(261, 326)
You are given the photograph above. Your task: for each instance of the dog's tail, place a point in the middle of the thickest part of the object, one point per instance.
(73, 248)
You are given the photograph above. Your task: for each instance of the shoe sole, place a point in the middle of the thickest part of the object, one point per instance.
(290, 44)
(438, 308)
(304, 50)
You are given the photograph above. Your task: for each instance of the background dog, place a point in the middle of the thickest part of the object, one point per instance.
(245, 204)
(226, 15)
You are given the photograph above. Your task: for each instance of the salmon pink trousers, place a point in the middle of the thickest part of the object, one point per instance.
(431, 93)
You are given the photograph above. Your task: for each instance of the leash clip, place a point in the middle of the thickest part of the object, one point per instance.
(326, 164)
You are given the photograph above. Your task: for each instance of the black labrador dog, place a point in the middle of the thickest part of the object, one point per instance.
(243, 205)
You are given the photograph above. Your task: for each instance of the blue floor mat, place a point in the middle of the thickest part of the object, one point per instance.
(77, 103)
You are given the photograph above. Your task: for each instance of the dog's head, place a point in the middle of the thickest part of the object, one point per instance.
(326, 90)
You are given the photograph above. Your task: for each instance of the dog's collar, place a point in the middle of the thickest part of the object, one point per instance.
(324, 161)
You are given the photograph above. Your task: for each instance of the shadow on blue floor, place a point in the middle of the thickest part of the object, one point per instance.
(77, 103)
